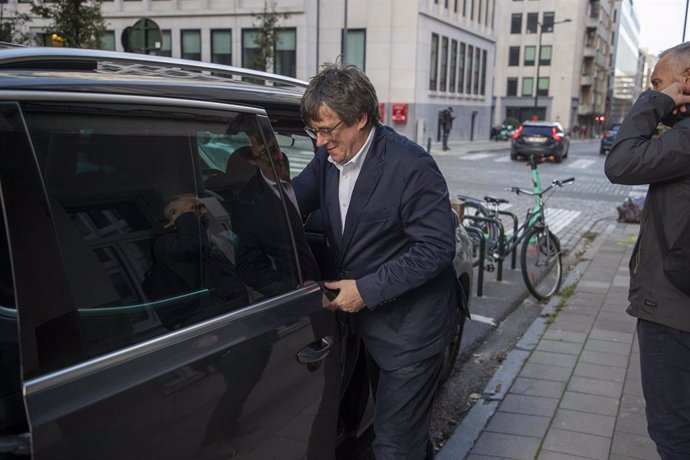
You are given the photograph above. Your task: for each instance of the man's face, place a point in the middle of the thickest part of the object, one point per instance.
(184, 204)
(260, 159)
(343, 142)
(668, 71)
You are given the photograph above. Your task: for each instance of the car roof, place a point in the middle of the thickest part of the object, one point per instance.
(109, 72)
(541, 123)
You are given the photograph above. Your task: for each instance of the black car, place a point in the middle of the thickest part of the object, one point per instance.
(540, 138)
(124, 337)
(608, 138)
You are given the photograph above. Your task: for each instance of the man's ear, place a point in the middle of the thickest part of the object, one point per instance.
(362, 121)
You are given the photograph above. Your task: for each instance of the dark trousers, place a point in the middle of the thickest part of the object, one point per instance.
(445, 133)
(402, 415)
(665, 366)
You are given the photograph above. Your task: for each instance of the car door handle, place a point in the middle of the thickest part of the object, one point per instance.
(315, 351)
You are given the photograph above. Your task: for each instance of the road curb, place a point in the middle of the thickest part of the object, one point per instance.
(468, 431)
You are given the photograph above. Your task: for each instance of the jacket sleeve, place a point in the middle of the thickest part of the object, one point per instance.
(636, 158)
(427, 221)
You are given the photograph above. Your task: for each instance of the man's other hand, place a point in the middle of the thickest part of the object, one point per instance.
(348, 300)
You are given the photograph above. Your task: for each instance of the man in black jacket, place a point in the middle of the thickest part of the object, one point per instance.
(663, 310)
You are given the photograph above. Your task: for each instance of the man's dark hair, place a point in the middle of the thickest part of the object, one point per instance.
(346, 90)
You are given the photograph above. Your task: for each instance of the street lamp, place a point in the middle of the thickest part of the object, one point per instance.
(538, 58)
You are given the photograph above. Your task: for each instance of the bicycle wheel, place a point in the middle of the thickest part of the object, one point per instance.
(476, 209)
(540, 260)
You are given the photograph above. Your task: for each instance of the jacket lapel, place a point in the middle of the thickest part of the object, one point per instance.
(332, 207)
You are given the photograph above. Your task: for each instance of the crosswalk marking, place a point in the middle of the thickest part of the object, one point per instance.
(477, 156)
(581, 164)
(559, 219)
(638, 190)
(482, 319)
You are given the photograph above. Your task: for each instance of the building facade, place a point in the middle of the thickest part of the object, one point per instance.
(626, 83)
(552, 61)
(421, 55)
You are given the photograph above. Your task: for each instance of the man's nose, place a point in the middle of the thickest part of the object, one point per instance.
(322, 139)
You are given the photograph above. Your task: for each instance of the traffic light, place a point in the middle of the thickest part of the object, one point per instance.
(599, 118)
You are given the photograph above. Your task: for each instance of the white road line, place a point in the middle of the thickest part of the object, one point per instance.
(476, 156)
(558, 219)
(483, 319)
(581, 164)
(503, 159)
(638, 190)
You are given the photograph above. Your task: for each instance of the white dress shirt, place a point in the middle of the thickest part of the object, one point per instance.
(349, 172)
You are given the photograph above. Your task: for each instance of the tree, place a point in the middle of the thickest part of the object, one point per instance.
(265, 39)
(12, 27)
(79, 23)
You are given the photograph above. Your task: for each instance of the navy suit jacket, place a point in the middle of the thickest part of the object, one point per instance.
(398, 243)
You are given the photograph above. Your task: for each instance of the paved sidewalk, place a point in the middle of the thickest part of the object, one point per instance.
(571, 387)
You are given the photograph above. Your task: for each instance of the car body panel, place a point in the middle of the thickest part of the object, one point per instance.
(608, 138)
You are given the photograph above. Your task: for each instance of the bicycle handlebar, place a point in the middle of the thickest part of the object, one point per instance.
(555, 183)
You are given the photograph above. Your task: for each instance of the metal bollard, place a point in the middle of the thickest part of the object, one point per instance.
(428, 145)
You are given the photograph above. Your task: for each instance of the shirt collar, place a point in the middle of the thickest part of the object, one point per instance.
(358, 159)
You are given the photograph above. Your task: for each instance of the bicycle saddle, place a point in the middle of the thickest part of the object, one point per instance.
(493, 199)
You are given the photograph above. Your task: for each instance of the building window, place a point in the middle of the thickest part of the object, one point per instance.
(356, 47)
(479, 12)
(453, 65)
(477, 68)
(221, 46)
(444, 63)
(251, 58)
(191, 44)
(516, 23)
(482, 87)
(511, 86)
(514, 56)
(470, 66)
(461, 68)
(543, 86)
(547, 22)
(433, 69)
(472, 10)
(545, 55)
(285, 53)
(531, 27)
(530, 55)
(108, 41)
(527, 84)
(464, 8)
(455, 7)
(166, 44)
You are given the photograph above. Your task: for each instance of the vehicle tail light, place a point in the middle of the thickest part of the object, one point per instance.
(606, 135)
(555, 135)
(517, 132)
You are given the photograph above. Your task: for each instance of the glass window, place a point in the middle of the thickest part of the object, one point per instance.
(516, 23)
(453, 65)
(433, 63)
(191, 44)
(511, 86)
(166, 45)
(108, 41)
(514, 56)
(285, 53)
(444, 63)
(530, 53)
(482, 87)
(543, 86)
(547, 22)
(477, 68)
(531, 27)
(221, 46)
(545, 55)
(356, 47)
(470, 66)
(461, 68)
(251, 56)
(527, 84)
(150, 210)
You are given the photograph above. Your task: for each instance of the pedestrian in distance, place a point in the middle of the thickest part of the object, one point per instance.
(659, 301)
(390, 229)
(446, 120)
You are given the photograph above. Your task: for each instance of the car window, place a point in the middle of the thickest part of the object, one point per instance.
(152, 223)
(300, 151)
(528, 130)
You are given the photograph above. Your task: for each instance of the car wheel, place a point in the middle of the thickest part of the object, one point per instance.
(559, 158)
(513, 156)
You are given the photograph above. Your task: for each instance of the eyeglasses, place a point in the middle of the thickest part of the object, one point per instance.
(325, 132)
(271, 151)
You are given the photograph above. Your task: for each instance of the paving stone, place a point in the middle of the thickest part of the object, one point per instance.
(553, 359)
(530, 405)
(632, 403)
(598, 371)
(595, 387)
(482, 457)
(633, 423)
(584, 422)
(571, 442)
(590, 403)
(554, 333)
(633, 386)
(574, 323)
(548, 455)
(605, 359)
(519, 424)
(600, 334)
(546, 372)
(496, 444)
(633, 446)
(615, 325)
(537, 387)
(593, 286)
(554, 346)
(608, 346)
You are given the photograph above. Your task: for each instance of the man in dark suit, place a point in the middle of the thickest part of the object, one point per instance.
(389, 223)
(265, 257)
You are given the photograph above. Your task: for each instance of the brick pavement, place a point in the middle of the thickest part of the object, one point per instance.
(571, 387)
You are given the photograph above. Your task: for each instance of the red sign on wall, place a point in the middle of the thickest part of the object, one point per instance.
(399, 112)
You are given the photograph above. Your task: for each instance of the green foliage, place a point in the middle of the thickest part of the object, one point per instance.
(79, 22)
(267, 24)
(514, 122)
(12, 28)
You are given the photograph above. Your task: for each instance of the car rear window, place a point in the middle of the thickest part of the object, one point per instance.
(536, 130)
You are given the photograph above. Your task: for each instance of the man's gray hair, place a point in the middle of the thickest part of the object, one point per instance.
(681, 53)
(346, 90)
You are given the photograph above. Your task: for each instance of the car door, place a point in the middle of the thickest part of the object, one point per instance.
(112, 365)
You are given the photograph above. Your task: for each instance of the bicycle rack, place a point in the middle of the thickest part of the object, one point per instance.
(482, 255)
(501, 242)
(515, 230)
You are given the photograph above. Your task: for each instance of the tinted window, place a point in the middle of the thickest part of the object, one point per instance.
(528, 130)
(146, 205)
